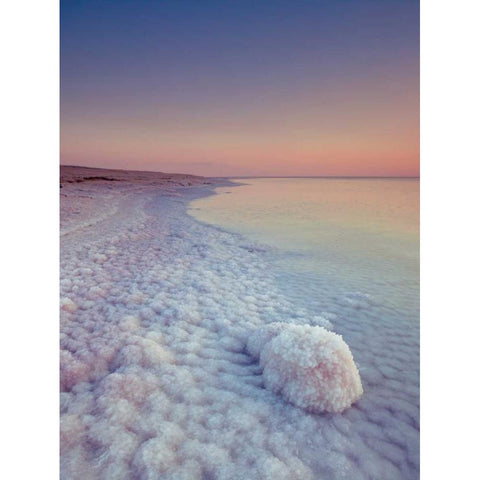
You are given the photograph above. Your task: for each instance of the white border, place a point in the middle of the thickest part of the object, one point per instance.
(29, 198)
(450, 240)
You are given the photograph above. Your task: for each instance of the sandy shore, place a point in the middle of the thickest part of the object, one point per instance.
(73, 174)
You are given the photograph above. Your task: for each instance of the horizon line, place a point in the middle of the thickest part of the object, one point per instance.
(247, 176)
(324, 176)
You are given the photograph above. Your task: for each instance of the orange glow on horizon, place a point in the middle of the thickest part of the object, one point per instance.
(363, 126)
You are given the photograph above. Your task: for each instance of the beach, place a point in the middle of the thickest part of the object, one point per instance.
(159, 378)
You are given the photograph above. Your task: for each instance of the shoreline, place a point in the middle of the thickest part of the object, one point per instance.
(91, 195)
(157, 310)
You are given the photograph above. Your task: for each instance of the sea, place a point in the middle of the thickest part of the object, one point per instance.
(357, 235)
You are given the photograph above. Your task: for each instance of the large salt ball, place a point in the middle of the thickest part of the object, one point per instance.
(310, 367)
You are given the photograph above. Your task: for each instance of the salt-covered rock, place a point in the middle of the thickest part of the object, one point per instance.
(310, 367)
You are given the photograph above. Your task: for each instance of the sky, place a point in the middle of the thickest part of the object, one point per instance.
(241, 87)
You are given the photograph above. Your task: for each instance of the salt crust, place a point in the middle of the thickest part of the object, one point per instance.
(165, 356)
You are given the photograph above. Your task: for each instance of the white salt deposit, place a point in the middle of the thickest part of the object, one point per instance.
(309, 366)
(163, 343)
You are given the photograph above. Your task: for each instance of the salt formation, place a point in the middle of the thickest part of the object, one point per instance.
(310, 366)
(156, 381)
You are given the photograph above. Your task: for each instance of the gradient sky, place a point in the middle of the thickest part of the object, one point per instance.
(247, 87)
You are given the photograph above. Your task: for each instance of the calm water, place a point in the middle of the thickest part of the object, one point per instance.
(360, 234)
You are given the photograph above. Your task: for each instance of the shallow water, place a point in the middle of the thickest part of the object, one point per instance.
(157, 309)
(362, 232)
(347, 249)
